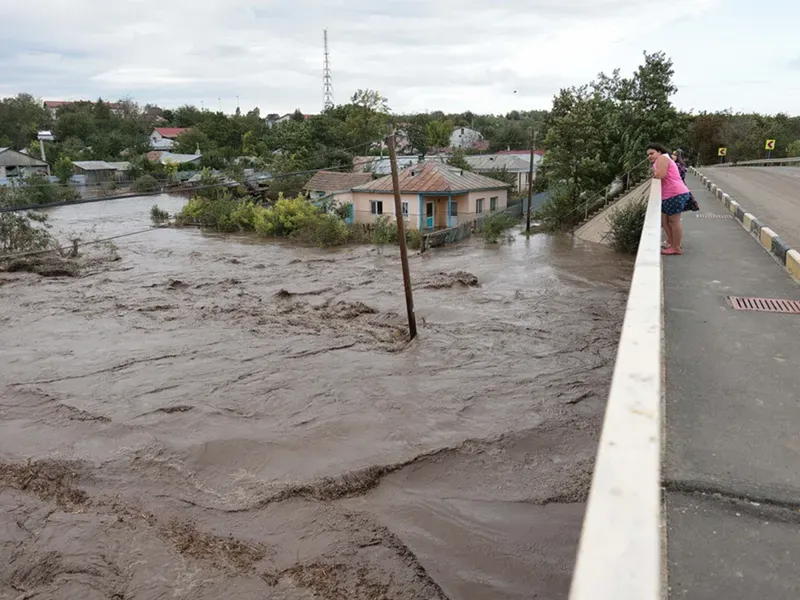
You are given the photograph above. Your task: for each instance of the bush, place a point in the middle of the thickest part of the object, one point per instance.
(145, 183)
(36, 189)
(384, 231)
(24, 233)
(414, 238)
(562, 210)
(323, 230)
(214, 213)
(626, 227)
(493, 226)
(157, 215)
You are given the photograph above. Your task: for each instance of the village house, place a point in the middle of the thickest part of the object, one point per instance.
(464, 138)
(17, 164)
(166, 158)
(163, 138)
(434, 196)
(327, 183)
(520, 168)
(100, 171)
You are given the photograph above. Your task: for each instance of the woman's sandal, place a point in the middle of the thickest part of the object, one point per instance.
(671, 252)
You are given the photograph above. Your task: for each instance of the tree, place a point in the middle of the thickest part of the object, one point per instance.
(21, 118)
(416, 129)
(367, 117)
(793, 149)
(188, 142)
(439, 133)
(459, 161)
(63, 168)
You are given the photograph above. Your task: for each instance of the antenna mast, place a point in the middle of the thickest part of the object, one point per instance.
(327, 86)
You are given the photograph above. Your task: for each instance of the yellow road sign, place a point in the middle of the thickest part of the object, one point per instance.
(722, 152)
(770, 145)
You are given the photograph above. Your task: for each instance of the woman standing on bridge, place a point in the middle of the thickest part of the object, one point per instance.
(674, 196)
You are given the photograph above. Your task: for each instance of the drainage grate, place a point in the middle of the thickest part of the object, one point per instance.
(712, 216)
(765, 304)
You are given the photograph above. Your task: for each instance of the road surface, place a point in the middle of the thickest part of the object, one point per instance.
(770, 193)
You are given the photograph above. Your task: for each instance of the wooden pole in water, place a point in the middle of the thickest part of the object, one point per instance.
(401, 236)
(530, 183)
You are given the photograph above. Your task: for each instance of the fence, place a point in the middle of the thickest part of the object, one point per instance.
(619, 556)
(463, 230)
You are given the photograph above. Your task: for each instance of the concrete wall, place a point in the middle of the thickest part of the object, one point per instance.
(363, 207)
(620, 549)
(502, 201)
(596, 229)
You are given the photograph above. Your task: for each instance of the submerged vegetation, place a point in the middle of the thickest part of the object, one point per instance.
(495, 225)
(24, 232)
(626, 227)
(230, 210)
(35, 190)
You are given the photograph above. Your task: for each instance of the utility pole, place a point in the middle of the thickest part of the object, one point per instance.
(530, 183)
(401, 236)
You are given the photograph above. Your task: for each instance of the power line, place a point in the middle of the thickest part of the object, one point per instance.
(179, 189)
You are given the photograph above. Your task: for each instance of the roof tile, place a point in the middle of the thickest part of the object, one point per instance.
(331, 181)
(434, 176)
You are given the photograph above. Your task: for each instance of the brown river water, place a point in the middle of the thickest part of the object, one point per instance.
(223, 417)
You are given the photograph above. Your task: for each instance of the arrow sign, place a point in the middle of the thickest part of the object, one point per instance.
(722, 152)
(770, 145)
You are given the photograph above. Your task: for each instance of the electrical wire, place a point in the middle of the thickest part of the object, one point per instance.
(63, 248)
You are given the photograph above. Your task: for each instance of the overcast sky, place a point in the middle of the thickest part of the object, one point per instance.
(424, 55)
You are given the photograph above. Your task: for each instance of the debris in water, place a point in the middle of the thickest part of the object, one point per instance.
(448, 280)
(47, 266)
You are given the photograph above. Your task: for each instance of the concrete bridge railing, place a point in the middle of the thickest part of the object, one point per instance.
(762, 162)
(620, 552)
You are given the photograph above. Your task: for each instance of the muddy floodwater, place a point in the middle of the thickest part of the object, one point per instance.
(219, 417)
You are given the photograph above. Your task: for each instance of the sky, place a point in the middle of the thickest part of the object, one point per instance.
(423, 55)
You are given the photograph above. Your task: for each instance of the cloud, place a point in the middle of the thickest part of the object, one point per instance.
(421, 54)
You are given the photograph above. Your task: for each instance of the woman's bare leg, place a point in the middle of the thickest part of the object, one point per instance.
(676, 231)
(666, 225)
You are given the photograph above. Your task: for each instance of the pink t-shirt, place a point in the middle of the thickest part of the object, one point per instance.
(672, 185)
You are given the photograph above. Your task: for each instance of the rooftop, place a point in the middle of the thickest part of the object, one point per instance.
(434, 177)
(13, 158)
(331, 181)
(171, 132)
(169, 157)
(94, 165)
(486, 162)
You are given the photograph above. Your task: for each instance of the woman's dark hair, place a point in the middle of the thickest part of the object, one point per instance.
(658, 148)
(680, 160)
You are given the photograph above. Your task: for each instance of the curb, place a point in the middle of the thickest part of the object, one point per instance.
(769, 240)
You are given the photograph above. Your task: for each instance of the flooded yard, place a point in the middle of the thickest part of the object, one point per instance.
(222, 417)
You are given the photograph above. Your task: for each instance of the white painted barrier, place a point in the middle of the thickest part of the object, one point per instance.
(619, 557)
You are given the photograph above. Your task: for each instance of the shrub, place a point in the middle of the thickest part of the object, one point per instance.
(323, 230)
(384, 231)
(561, 210)
(145, 183)
(157, 215)
(24, 233)
(36, 189)
(496, 224)
(626, 227)
(414, 238)
(360, 233)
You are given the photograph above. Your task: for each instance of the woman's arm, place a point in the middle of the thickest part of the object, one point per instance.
(662, 164)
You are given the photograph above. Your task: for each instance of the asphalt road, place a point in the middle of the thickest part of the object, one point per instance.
(770, 193)
(732, 450)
